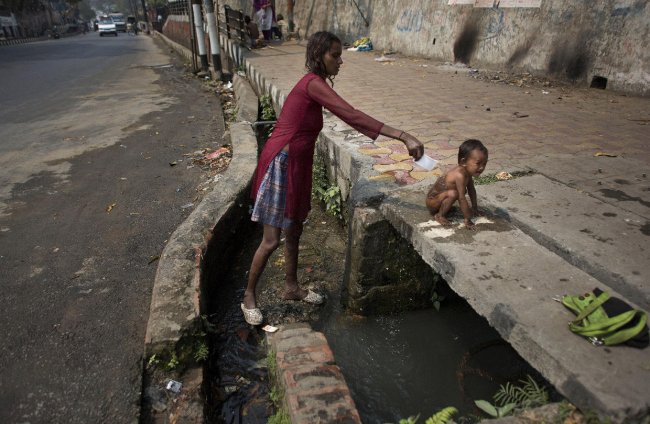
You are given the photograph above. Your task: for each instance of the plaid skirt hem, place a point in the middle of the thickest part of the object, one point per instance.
(272, 195)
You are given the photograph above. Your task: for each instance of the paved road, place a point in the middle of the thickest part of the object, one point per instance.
(88, 122)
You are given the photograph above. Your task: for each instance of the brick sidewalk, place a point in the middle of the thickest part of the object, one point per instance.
(443, 105)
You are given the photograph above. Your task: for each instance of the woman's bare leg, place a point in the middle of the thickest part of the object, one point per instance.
(270, 242)
(291, 289)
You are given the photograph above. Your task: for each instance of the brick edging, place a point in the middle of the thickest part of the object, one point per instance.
(313, 385)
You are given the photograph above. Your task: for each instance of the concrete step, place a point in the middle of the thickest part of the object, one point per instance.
(510, 279)
(607, 242)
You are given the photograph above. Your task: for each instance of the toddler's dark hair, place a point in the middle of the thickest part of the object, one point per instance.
(247, 19)
(319, 44)
(468, 146)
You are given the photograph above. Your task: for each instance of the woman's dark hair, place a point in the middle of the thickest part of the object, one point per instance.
(319, 44)
(468, 146)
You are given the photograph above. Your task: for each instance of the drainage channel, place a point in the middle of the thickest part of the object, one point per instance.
(396, 366)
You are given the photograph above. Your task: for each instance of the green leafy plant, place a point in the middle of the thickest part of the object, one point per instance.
(202, 352)
(331, 196)
(441, 417)
(280, 417)
(172, 363)
(153, 361)
(266, 104)
(409, 420)
(509, 397)
(493, 410)
(528, 395)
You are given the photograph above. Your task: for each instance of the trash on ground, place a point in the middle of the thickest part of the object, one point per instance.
(361, 45)
(609, 155)
(110, 207)
(187, 205)
(503, 175)
(153, 259)
(270, 328)
(217, 153)
(520, 115)
(174, 163)
(545, 92)
(230, 389)
(174, 386)
(384, 59)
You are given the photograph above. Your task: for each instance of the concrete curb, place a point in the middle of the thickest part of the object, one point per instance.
(175, 303)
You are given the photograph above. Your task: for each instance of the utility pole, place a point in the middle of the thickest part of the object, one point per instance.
(215, 48)
(146, 16)
(290, 14)
(200, 35)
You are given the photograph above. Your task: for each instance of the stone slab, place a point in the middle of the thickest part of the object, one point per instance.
(510, 279)
(606, 241)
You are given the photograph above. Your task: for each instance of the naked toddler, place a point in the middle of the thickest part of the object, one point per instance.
(454, 184)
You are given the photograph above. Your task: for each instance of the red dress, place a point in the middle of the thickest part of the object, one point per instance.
(300, 122)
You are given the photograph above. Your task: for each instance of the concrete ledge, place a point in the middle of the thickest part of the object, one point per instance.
(314, 387)
(510, 280)
(584, 230)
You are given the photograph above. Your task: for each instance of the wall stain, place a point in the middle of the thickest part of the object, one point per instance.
(569, 57)
(522, 50)
(466, 43)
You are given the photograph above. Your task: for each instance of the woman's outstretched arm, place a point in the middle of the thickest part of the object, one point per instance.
(323, 94)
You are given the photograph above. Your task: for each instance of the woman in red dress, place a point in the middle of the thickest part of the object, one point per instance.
(282, 182)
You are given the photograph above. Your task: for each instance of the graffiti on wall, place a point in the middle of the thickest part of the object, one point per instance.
(497, 3)
(410, 21)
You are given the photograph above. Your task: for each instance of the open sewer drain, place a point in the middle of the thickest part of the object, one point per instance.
(396, 366)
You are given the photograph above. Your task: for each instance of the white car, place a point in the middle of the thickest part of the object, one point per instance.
(106, 26)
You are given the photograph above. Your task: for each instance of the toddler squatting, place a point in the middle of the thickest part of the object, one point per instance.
(454, 184)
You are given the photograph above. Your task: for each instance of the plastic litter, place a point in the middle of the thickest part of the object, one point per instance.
(270, 328)
(174, 386)
(187, 206)
(503, 176)
(110, 207)
(426, 162)
(384, 59)
(609, 155)
(217, 153)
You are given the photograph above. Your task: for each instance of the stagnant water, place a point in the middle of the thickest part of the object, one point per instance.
(396, 366)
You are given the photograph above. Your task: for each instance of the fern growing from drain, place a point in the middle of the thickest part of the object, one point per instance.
(510, 397)
(528, 395)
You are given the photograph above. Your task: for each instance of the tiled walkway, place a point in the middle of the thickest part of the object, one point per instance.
(443, 105)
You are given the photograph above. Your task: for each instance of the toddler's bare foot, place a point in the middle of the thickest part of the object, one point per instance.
(295, 294)
(442, 220)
